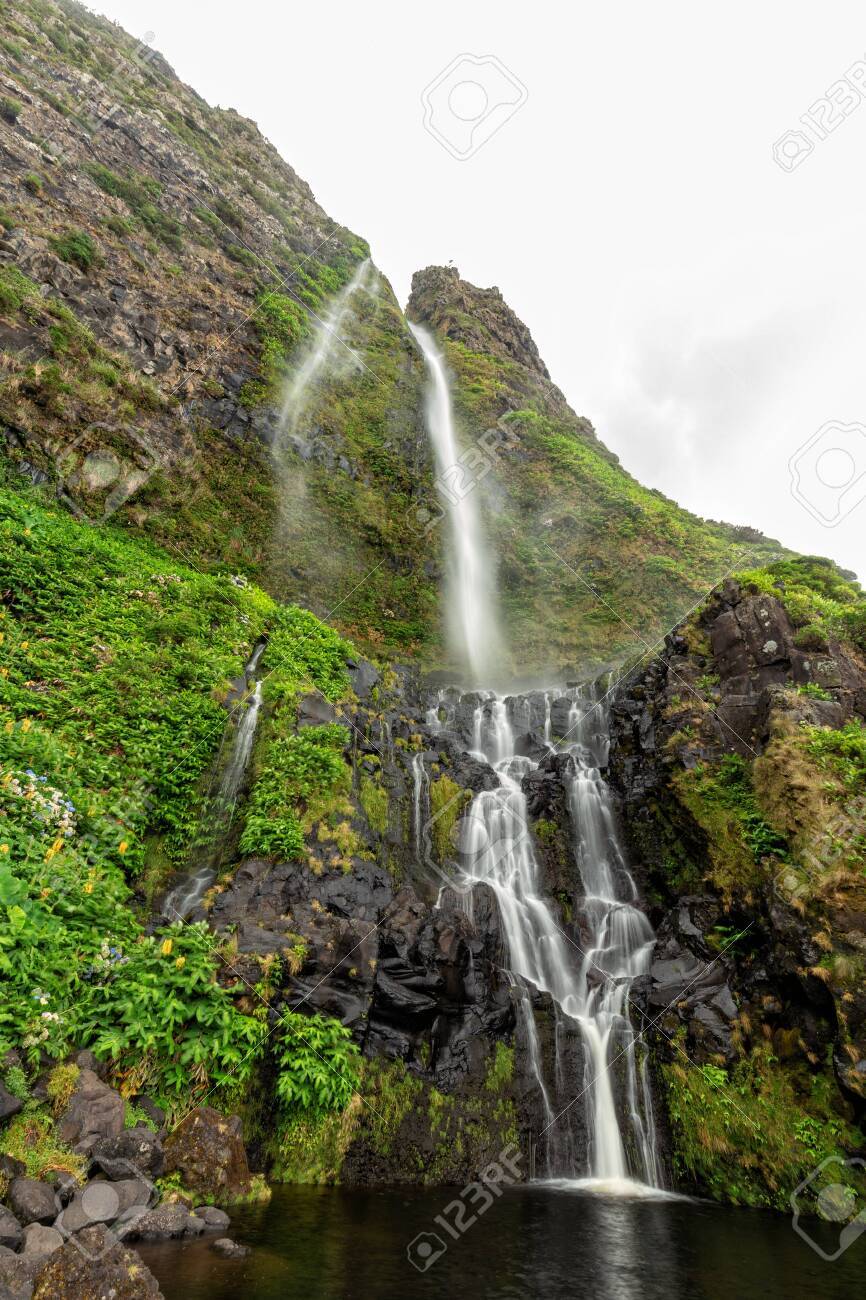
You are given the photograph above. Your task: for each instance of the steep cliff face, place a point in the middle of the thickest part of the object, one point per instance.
(740, 757)
(161, 269)
(164, 275)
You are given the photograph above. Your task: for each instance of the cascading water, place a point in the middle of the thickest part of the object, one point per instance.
(589, 985)
(221, 805)
(472, 623)
(325, 343)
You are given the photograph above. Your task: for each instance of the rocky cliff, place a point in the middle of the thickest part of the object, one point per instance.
(163, 271)
(740, 757)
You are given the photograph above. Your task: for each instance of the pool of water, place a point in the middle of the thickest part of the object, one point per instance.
(534, 1241)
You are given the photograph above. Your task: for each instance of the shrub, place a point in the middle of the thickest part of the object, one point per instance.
(298, 768)
(32, 182)
(76, 247)
(811, 637)
(319, 1065)
(158, 1007)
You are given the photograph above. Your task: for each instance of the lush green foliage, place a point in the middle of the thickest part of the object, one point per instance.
(112, 664)
(155, 1008)
(751, 1134)
(821, 600)
(297, 768)
(318, 1063)
(721, 799)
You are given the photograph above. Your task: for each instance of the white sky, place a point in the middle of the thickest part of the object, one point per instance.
(702, 306)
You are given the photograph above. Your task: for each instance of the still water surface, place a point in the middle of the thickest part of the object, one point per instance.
(535, 1241)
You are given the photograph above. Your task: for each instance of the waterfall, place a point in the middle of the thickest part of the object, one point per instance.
(325, 342)
(220, 807)
(470, 601)
(590, 988)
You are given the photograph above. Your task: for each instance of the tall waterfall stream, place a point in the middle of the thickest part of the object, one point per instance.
(587, 969)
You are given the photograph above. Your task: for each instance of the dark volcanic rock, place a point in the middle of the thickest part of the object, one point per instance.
(32, 1201)
(95, 1111)
(9, 1104)
(207, 1150)
(11, 1230)
(134, 1149)
(95, 1267)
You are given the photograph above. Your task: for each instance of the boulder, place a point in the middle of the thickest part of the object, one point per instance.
(229, 1249)
(95, 1111)
(93, 1266)
(213, 1218)
(169, 1220)
(9, 1103)
(32, 1201)
(10, 1229)
(39, 1240)
(135, 1149)
(17, 1273)
(208, 1152)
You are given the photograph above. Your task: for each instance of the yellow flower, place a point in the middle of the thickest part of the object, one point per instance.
(180, 962)
(44, 892)
(166, 948)
(2, 637)
(49, 854)
(57, 845)
(26, 532)
(10, 726)
(4, 672)
(25, 645)
(26, 724)
(4, 848)
(122, 846)
(88, 887)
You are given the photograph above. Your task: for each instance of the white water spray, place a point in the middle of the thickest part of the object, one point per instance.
(221, 806)
(472, 623)
(326, 343)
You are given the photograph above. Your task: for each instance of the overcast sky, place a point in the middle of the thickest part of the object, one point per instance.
(702, 304)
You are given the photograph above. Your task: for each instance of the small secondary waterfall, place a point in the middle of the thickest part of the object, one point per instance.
(324, 346)
(589, 979)
(221, 805)
(472, 623)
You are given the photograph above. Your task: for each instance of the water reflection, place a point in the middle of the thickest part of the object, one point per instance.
(329, 1243)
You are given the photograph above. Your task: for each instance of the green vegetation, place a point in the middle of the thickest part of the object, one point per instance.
(751, 1134)
(447, 802)
(280, 323)
(319, 1065)
(821, 600)
(141, 194)
(722, 800)
(841, 752)
(77, 247)
(113, 661)
(298, 770)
